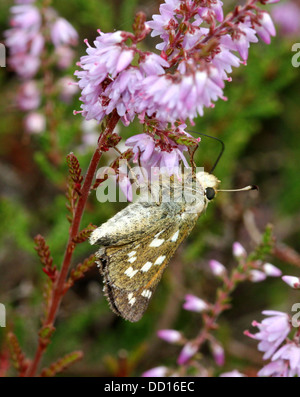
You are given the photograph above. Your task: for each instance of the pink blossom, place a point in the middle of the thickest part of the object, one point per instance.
(35, 123)
(272, 331)
(290, 352)
(24, 40)
(246, 36)
(188, 351)
(217, 268)
(169, 335)
(287, 16)
(218, 353)
(238, 250)
(63, 33)
(232, 374)
(271, 270)
(144, 147)
(28, 97)
(292, 281)
(25, 17)
(156, 372)
(105, 61)
(265, 29)
(256, 276)
(278, 368)
(195, 304)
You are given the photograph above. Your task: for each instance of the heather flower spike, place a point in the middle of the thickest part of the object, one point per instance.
(201, 58)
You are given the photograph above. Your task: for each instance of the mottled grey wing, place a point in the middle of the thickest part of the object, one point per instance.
(131, 272)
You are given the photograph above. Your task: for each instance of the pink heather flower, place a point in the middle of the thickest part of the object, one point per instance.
(162, 20)
(215, 7)
(233, 374)
(26, 66)
(194, 304)
(217, 268)
(143, 145)
(266, 28)
(63, 33)
(256, 276)
(169, 335)
(278, 368)
(24, 40)
(287, 16)
(290, 352)
(105, 61)
(35, 123)
(292, 281)
(182, 97)
(153, 64)
(28, 97)
(122, 94)
(238, 250)
(218, 353)
(125, 186)
(271, 270)
(247, 35)
(188, 351)
(272, 332)
(156, 372)
(25, 17)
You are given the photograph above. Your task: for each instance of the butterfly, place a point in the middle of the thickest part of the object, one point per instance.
(138, 242)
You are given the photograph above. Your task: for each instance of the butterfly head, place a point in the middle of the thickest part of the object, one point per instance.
(209, 183)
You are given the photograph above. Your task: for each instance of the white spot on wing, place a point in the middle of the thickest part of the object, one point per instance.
(158, 234)
(175, 236)
(146, 266)
(131, 298)
(133, 259)
(130, 272)
(160, 260)
(157, 242)
(146, 293)
(132, 253)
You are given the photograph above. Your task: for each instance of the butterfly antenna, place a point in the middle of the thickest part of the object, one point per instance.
(217, 139)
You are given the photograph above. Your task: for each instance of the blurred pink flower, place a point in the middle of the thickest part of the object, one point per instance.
(257, 276)
(232, 374)
(194, 304)
(292, 281)
(217, 268)
(287, 16)
(271, 270)
(238, 250)
(63, 33)
(156, 372)
(35, 123)
(188, 351)
(169, 335)
(28, 96)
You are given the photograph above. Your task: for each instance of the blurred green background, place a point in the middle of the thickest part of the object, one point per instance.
(259, 125)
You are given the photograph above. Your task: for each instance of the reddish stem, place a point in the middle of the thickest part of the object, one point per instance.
(58, 289)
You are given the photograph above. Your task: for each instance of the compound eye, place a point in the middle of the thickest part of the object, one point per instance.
(210, 193)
